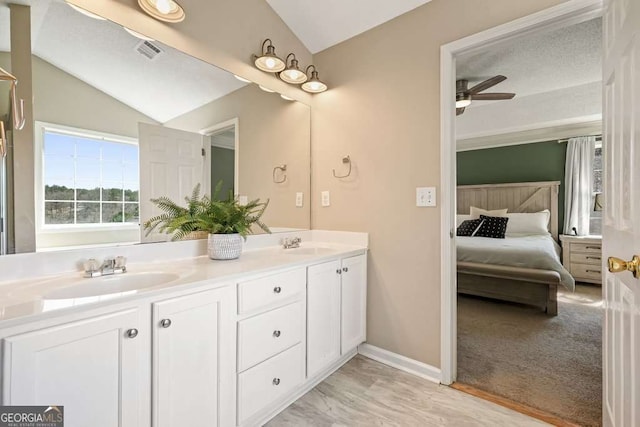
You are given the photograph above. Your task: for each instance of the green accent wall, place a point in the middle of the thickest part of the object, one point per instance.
(541, 161)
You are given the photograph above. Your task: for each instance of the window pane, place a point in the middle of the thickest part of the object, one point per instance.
(58, 144)
(87, 169)
(131, 192)
(58, 213)
(130, 153)
(58, 191)
(88, 148)
(131, 213)
(112, 171)
(112, 192)
(57, 168)
(111, 212)
(88, 191)
(112, 151)
(597, 181)
(131, 172)
(88, 213)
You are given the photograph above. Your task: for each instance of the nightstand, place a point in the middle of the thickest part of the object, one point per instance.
(582, 256)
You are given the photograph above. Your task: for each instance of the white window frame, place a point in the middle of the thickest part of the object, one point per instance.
(41, 227)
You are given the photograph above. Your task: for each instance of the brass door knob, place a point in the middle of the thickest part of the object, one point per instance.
(616, 265)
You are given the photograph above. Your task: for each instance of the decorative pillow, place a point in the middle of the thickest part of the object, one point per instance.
(461, 218)
(492, 226)
(476, 212)
(468, 227)
(527, 224)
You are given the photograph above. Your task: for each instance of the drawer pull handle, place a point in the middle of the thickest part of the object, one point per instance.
(276, 381)
(339, 271)
(165, 323)
(345, 269)
(594, 257)
(276, 334)
(593, 247)
(277, 289)
(593, 271)
(132, 333)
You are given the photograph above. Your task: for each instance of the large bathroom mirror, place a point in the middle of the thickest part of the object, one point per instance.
(119, 120)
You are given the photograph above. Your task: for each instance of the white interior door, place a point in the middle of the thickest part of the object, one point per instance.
(172, 162)
(621, 228)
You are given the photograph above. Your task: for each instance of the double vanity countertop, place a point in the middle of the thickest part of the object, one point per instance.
(34, 298)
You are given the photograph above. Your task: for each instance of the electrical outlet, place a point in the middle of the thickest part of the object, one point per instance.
(326, 199)
(299, 199)
(426, 196)
(243, 200)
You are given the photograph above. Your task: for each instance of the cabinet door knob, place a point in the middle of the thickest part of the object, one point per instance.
(277, 289)
(132, 333)
(345, 269)
(339, 271)
(276, 334)
(165, 323)
(276, 381)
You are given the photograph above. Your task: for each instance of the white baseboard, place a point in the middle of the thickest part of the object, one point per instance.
(398, 361)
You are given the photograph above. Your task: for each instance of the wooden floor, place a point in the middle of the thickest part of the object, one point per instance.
(366, 393)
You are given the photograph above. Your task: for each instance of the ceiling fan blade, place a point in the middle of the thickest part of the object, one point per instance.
(459, 111)
(487, 84)
(492, 96)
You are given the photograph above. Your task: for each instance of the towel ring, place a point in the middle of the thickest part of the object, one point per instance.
(282, 169)
(345, 160)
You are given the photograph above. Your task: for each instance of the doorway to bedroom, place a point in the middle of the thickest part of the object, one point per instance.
(529, 180)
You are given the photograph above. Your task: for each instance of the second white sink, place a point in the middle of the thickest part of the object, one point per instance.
(112, 284)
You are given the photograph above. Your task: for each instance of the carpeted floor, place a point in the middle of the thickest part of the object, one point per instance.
(550, 363)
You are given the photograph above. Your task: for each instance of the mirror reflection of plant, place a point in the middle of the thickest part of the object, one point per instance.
(209, 214)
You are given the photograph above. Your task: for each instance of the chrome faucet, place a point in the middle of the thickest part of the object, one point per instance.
(109, 266)
(290, 243)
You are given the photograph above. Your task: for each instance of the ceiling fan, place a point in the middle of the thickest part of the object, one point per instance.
(464, 95)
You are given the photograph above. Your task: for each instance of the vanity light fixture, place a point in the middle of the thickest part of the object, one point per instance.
(292, 74)
(138, 35)
(463, 100)
(268, 60)
(242, 79)
(86, 12)
(266, 89)
(163, 10)
(314, 84)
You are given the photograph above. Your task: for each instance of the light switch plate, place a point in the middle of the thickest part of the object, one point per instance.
(426, 196)
(326, 199)
(299, 199)
(243, 200)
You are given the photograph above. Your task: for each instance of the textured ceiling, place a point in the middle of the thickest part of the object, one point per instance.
(103, 55)
(539, 63)
(322, 24)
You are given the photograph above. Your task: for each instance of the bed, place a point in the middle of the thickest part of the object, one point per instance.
(524, 269)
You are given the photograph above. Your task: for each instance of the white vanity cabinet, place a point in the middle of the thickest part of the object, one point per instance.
(336, 305)
(94, 367)
(193, 359)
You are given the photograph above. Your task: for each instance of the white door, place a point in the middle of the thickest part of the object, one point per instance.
(354, 302)
(193, 360)
(93, 367)
(621, 231)
(323, 316)
(172, 162)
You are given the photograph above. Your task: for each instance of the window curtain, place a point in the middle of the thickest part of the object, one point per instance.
(578, 185)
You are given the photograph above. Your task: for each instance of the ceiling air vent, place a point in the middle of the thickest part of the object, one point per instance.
(148, 49)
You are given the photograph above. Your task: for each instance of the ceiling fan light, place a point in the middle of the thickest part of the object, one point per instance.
(314, 84)
(163, 10)
(292, 74)
(463, 100)
(268, 61)
(86, 12)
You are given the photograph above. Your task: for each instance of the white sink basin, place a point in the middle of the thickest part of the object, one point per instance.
(309, 251)
(116, 283)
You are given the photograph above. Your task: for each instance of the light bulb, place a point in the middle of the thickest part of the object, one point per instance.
(315, 85)
(163, 6)
(270, 63)
(463, 103)
(294, 74)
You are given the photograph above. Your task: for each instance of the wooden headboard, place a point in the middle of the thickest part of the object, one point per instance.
(516, 197)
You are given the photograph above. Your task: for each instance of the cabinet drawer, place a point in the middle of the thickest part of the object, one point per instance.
(584, 271)
(268, 290)
(267, 334)
(590, 248)
(590, 259)
(267, 382)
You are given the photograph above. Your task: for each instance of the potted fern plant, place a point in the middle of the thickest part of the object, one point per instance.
(226, 222)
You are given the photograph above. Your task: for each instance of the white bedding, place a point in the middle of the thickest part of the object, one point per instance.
(539, 251)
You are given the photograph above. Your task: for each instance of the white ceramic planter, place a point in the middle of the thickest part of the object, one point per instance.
(224, 246)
